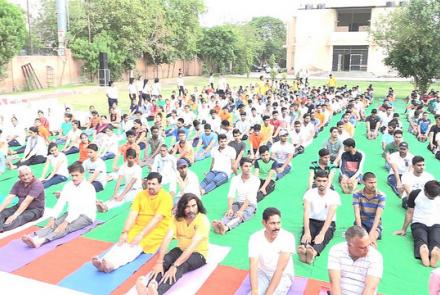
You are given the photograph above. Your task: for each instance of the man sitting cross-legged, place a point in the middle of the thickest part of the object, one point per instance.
(352, 162)
(242, 199)
(80, 197)
(191, 229)
(132, 173)
(145, 228)
(320, 205)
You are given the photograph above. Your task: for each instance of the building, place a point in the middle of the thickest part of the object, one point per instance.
(333, 36)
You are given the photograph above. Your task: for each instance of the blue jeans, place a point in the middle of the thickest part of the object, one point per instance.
(285, 171)
(392, 182)
(232, 222)
(108, 155)
(14, 143)
(212, 180)
(72, 150)
(54, 180)
(98, 186)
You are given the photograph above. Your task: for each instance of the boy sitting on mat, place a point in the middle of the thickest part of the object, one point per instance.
(80, 197)
(242, 199)
(191, 229)
(145, 228)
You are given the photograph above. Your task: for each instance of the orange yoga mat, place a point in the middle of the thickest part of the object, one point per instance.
(63, 260)
(314, 287)
(224, 280)
(131, 281)
(18, 235)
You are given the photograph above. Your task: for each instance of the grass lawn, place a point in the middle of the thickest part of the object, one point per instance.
(99, 100)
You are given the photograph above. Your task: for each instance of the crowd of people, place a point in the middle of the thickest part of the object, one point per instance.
(249, 135)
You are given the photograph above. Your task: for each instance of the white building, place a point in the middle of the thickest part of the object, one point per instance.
(333, 36)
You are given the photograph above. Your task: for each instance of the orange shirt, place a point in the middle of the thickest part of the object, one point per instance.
(256, 140)
(43, 132)
(82, 151)
(321, 117)
(94, 122)
(225, 116)
(123, 149)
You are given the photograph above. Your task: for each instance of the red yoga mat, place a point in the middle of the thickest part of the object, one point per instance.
(63, 260)
(233, 276)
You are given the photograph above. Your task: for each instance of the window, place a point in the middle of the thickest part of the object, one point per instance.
(350, 58)
(353, 20)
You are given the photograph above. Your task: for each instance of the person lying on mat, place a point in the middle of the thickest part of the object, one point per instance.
(30, 206)
(270, 256)
(191, 229)
(320, 205)
(423, 215)
(368, 205)
(242, 199)
(80, 197)
(131, 173)
(145, 227)
(354, 266)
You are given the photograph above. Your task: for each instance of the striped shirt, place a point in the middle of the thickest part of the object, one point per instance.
(367, 206)
(354, 272)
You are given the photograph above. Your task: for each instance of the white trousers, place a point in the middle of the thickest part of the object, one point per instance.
(121, 255)
(129, 197)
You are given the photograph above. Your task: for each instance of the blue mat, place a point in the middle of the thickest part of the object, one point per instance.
(89, 280)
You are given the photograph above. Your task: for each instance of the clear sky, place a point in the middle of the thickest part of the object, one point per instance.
(233, 11)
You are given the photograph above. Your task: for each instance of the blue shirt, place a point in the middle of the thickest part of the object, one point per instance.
(206, 139)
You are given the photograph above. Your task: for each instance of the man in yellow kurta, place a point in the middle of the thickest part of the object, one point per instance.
(191, 229)
(331, 83)
(146, 226)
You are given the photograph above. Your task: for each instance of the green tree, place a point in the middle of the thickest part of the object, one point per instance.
(272, 32)
(12, 32)
(411, 35)
(218, 48)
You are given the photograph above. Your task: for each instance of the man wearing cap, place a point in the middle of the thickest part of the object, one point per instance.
(282, 152)
(400, 163)
(187, 181)
(352, 162)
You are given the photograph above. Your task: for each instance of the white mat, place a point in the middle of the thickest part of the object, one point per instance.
(187, 287)
(17, 285)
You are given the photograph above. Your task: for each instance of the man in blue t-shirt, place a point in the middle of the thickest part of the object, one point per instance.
(208, 140)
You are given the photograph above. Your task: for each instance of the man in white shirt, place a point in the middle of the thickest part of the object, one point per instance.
(72, 139)
(95, 168)
(400, 163)
(242, 199)
(282, 152)
(222, 164)
(423, 215)
(131, 172)
(80, 197)
(187, 181)
(320, 205)
(112, 95)
(354, 266)
(35, 151)
(415, 179)
(165, 164)
(270, 256)
(244, 125)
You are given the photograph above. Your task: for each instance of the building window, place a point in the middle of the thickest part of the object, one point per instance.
(353, 20)
(350, 58)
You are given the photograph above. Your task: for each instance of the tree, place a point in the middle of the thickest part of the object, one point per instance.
(272, 32)
(12, 32)
(218, 48)
(411, 35)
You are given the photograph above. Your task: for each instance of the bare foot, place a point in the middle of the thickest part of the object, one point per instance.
(310, 255)
(215, 226)
(107, 267)
(152, 288)
(221, 228)
(141, 286)
(424, 255)
(101, 206)
(302, 253)
(97, 263)
(27, 239)
(435, 256)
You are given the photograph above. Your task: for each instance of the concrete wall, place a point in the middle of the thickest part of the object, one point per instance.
(66, 70)
(314, 30)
